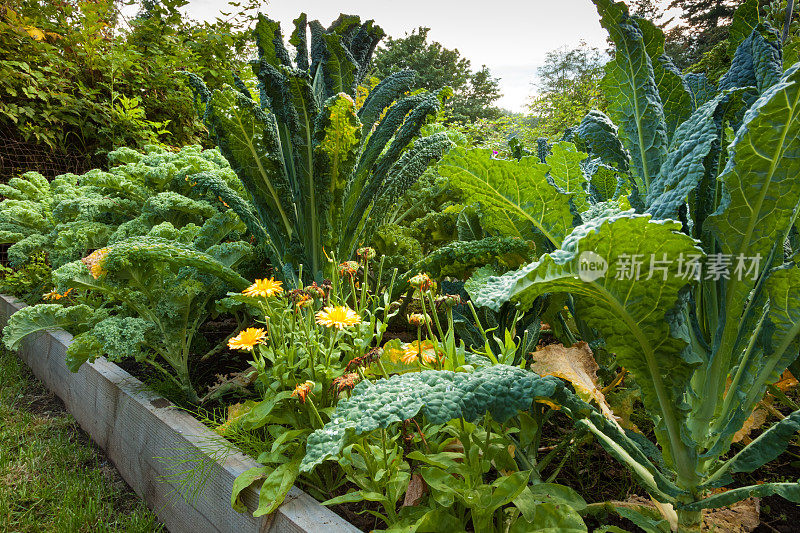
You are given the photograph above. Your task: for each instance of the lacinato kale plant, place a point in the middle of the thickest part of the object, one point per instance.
(320, 171)
(697, 291)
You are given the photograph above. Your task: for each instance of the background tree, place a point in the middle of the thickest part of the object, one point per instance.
(704, 25)
(437, 67)
(568, 86)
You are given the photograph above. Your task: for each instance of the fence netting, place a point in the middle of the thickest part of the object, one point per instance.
(18, 156)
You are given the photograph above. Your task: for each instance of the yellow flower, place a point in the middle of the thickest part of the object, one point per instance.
(264, 288)
(338, 317)
(411, 353)
(247, 339)
(94, 262)
(53, 295)
(303, 390)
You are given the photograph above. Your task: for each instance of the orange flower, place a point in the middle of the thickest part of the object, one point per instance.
(264, 288)
(422, 282)
(247, 339)
(418, 319)
(53, 295)
(345, 382)
(303, 390)
(338, 317)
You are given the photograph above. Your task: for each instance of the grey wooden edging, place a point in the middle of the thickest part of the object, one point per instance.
(150, 441)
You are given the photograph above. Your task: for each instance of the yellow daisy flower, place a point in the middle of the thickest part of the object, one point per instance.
(338, 317)
(264, 288)
(247, 339)
(411, 353)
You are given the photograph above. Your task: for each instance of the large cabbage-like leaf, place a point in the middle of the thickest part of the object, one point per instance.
(634, 101)
(565, 170)
(757, 61)
(761, 195)
(439, 395)
(515, 197)
(686, 165)
(636, 316)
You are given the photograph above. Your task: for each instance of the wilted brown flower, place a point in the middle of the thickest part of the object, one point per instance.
(345, 382)
(364, 360)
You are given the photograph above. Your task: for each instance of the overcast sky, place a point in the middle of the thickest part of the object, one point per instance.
(511, 37)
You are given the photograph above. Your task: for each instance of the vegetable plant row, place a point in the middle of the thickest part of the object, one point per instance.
(646, 258)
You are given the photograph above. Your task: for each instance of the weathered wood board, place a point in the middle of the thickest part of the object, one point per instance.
(151, 442)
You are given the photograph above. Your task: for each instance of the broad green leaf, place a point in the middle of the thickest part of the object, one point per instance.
(43, 317)
(554, 493)
(547, 518)
(439, 395)
(789, 491)
(772, 349)
(757, 62)
(515, 197)
(767, 446)
(702, 89)
(674, 92)
(630, 87)
(565, 170)
(745, 20)
(242, 481)
(599, 136)
(276, 486)
(685, 164)
(761, 196)
(635, 315)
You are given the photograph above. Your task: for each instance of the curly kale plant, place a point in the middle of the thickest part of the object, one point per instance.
(703, 341)
(71, 215)
(320, 172)
(159, 288)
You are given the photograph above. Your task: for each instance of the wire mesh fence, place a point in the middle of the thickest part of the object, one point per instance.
(18, 156)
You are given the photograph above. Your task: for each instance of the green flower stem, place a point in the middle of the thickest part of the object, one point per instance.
(314, 412)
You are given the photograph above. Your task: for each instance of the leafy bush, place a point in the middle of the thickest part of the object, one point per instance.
(74, 78)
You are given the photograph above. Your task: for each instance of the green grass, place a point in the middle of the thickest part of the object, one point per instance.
(52, 478)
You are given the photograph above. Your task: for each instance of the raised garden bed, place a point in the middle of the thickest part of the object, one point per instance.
(151, 442)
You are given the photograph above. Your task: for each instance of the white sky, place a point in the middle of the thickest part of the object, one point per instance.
(511, 37)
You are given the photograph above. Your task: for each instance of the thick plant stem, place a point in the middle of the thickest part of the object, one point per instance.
(690, 519)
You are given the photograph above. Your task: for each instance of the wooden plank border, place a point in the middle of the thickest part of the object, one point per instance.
(150, 441)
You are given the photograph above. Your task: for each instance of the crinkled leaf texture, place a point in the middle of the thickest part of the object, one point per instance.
(43, 317)
(634, 101)
(439, 395)
(637, 317)
(515, 196)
